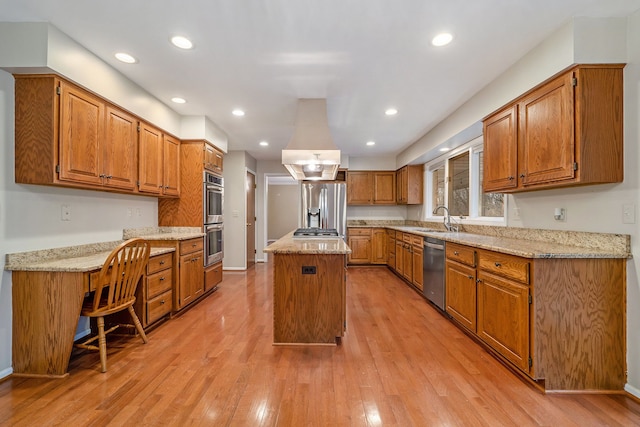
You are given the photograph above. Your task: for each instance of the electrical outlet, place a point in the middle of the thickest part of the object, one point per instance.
(516, 213)
(629, 213)
(129, 212)
(138, 212)
(308, 269)
(65, 213)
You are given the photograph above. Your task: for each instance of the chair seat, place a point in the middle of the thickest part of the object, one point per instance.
(88, 311)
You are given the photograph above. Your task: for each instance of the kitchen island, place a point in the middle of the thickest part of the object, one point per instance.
(309, 290)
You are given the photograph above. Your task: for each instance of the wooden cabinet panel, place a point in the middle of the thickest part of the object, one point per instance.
(461, 294)
(460, 253)
(391, 249)
(359, 240)
(213, 159)
(159, 307)
(171, 166)
(569, 132)
(120, 157)
(150, 155)
(399, 254)
(191, 284)
(407, 259)
(384, 186)
(158, 283)
(501, 150)
(508, 266)
(417, 261)
(503, 317)
(378, 246)
(212, 276)
(409, 185)
(81, 135)
(359, 186)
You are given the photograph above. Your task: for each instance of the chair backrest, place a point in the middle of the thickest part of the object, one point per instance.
(120, 275)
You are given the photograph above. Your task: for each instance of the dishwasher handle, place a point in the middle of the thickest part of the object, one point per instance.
(434, 245)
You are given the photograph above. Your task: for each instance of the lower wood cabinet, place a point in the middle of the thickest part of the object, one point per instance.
(368, 245)
(560, 321)
(154, 297)
(212, 276)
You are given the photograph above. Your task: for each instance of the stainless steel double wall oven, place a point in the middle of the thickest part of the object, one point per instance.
(213, 197)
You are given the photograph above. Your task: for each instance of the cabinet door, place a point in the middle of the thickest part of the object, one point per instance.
(546, 122)
(407, 262)
(500, 167)
(171, 169)
(379, 246)
(81, 136)
(399, 254)
(503, 317)
(150, 164)
(191, 278)
(121, 150)
(461, 294)
(359, 188)
(360, 249)
(384, 188)
(417, 256)
(401, 185)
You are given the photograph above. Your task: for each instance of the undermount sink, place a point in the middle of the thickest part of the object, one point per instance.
(430, 230)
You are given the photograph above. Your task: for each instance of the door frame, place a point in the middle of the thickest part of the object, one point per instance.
(255, 213)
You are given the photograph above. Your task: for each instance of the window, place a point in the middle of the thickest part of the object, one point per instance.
(456, 182)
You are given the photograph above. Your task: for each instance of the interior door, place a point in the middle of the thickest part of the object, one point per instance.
(250, 189)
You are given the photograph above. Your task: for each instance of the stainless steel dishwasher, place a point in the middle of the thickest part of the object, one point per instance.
(433, 268)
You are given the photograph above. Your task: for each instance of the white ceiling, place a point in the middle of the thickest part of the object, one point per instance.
(363, 56)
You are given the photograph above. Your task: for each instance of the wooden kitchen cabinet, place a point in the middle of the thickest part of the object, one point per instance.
(417, 255)
(159, 164)
(566, 131)
(359, 240)
(460, 277)
(407, 257)
(67, 136)
(378, 246)
(371, 188)
(409, 185)
(560, 321)
(154, 296)
(213, 158)
(391, 249)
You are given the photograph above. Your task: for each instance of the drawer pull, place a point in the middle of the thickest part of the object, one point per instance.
(498, 264)
(478, 281)
(162, 301)
(470, 276)
(162, 262)
(456, 253)
(162, 278)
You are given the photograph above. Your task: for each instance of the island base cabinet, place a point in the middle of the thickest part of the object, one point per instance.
(309, 298)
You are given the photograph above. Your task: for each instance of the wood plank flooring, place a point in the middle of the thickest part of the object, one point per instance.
(401, 363)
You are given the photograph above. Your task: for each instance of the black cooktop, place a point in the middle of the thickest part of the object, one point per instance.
(315, 232)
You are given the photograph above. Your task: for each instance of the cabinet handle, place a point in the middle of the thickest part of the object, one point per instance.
(498, 264)
(470, 276)
(478, 281)
(162, 278)
(511, 178)
(161, 262)
(109, 176)
(456, 253)
(521, 175)
(161, 301)
(159, 186)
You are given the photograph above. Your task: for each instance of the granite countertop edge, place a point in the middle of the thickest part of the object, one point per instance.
(308, 246)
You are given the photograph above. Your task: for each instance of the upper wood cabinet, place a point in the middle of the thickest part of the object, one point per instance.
(213, 159)
(159, 165)
(409, 185)
(67, 136)
(567, 131)
(371, 188)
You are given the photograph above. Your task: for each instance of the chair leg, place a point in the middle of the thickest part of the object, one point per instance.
(138, 325)
(102, 344)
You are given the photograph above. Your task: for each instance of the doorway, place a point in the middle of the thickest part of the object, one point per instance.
(250, 190)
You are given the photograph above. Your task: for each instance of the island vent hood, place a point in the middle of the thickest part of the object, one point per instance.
(311, 153)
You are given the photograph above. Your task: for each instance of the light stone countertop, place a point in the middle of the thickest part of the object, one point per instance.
(308, 246)
(78, 263)
(589, 245)
(163, 233)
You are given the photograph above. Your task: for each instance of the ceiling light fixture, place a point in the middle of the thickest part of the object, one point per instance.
(238, 112)
(125, 57)
(444, 149)
(264, 143)
(371, 143)
(442, 39)
(178, 100)
(391, 112)
(181, 42)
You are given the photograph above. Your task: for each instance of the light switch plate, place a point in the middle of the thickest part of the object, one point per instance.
(629, 213)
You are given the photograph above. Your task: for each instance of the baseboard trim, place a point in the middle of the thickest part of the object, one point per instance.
(633, 392)
(6, 373)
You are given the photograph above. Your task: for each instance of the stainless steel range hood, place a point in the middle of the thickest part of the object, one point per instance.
(311, 153)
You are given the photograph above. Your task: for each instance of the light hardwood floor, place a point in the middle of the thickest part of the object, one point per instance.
(401, 363)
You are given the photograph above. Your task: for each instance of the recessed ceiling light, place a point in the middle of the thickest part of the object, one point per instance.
(181, 42)
(238, 112)
(442, 39)
(264, 143)
(443, 149)
(391, 112)
(126, 58)
(371, 143)
(178, 100)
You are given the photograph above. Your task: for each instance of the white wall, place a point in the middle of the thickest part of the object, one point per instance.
(282, 209)
(264, 168)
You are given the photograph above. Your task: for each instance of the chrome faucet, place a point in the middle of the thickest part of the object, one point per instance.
(447, 219)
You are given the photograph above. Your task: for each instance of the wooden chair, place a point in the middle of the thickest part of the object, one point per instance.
(116, 291)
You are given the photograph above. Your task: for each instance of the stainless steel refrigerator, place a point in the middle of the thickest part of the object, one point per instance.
(324, 205)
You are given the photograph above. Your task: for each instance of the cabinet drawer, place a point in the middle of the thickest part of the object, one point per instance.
(417, 240)
(462, 254)
(159, 282)
(504, 265)
(212, 276)
(159, 263)
(406, 237)
(159, 306)
(192, 245)
(359, 232)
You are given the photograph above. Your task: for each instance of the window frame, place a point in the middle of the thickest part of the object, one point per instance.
(474, 148)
